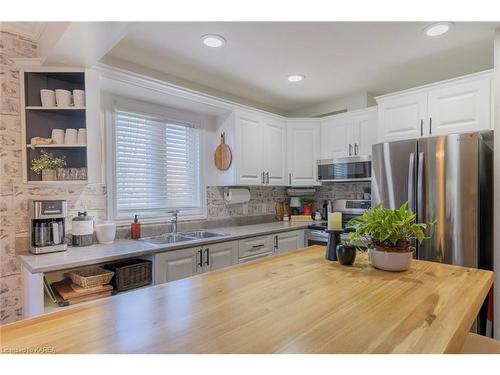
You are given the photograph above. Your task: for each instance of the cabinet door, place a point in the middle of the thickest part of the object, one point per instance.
(365, 132)
(288, 241)
(95, 128)
(249, 149)
(337, 137)
(274, 162)
(402, 117)
(177, 264)
(460, 108)
(303, 149)
(220, 255)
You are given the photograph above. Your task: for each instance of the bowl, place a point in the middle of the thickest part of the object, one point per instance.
(105, 233)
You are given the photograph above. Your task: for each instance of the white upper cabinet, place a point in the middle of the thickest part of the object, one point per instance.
(303, 149)
(459, 108)
(274, 153)
(365, 131)
(336, 135)
(249, 149)
(402, 117)
(349, 134)
(459, 105)
(260, 149)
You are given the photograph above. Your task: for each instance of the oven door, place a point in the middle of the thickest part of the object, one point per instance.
(356, 168)
(316, 237)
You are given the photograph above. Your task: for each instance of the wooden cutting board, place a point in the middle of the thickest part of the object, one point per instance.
(67, 292)
(223, 156)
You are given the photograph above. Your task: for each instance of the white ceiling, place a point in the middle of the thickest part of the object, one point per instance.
(338, 59)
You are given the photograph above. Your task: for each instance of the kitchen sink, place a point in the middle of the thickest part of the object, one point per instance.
(199, 234)
(167, 238)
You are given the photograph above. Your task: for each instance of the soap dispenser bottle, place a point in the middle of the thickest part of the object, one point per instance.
(135, 229)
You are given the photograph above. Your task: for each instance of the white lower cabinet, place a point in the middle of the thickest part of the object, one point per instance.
(288, 241)
(179, 264)
(220, 255)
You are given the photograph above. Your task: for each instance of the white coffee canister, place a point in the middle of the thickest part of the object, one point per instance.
(63, 98)
(82, 229)
(48, 98)
(79, 98)
(105, 233)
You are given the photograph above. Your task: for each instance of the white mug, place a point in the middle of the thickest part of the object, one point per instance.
(63, 98)
(82, 136)
(71, 137)
(48, 98)
(57, 136)
(79, 98)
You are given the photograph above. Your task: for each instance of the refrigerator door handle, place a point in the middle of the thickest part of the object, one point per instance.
(420, 187)
(411, 182)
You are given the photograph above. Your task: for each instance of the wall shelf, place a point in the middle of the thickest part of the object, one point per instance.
(39, 121)
(40, 108)
(51, 145)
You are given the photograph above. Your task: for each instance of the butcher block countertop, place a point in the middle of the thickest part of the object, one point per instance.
(295, 302)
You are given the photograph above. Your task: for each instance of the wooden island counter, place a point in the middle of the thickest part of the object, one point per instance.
(295, 302)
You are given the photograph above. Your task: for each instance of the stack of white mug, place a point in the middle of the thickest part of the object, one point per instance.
(62, 98)
(69, 137)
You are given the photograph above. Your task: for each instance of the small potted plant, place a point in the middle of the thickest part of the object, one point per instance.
(389, 235)
(307, 205)
(47, 164)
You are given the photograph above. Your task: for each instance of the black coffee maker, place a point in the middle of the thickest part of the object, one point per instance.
(48, 226)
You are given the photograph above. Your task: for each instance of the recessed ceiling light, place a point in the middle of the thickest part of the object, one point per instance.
(295, 77)
(213, 40)
(437, 29)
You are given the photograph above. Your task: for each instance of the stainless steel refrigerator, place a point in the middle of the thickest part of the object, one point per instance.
(448, 179)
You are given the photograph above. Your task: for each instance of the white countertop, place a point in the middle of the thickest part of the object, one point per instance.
(121, 249)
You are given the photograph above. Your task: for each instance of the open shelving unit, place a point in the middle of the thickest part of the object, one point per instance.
(39, 121)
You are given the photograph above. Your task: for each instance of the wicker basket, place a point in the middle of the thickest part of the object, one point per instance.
(91, 277)
(131, 274)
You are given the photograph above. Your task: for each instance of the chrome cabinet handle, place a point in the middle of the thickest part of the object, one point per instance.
(262, 177)
(355, 149)
(350, 149)
(430, 125)
(276, 243)
(421, 128)
(289, 178)
(267, 177)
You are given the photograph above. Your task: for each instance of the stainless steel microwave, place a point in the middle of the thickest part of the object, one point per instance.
(353, 168)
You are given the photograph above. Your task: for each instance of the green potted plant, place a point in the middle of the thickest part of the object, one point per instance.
(389, 235)
(47, 164)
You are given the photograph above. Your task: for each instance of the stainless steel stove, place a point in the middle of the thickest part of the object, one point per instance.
(316, 235)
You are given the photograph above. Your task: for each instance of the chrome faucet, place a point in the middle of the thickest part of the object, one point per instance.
(173, 220)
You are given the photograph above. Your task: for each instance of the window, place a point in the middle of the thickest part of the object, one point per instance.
(156, 165)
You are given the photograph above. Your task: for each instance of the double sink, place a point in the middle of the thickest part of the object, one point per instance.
(181, 237)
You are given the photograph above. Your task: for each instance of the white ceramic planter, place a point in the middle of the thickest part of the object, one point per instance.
(388, 261)
(105, 233)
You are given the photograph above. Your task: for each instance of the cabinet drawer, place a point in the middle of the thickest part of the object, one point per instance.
(255, 257)
(256, 245)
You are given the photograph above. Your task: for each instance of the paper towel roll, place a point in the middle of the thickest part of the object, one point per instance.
(235, 196)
